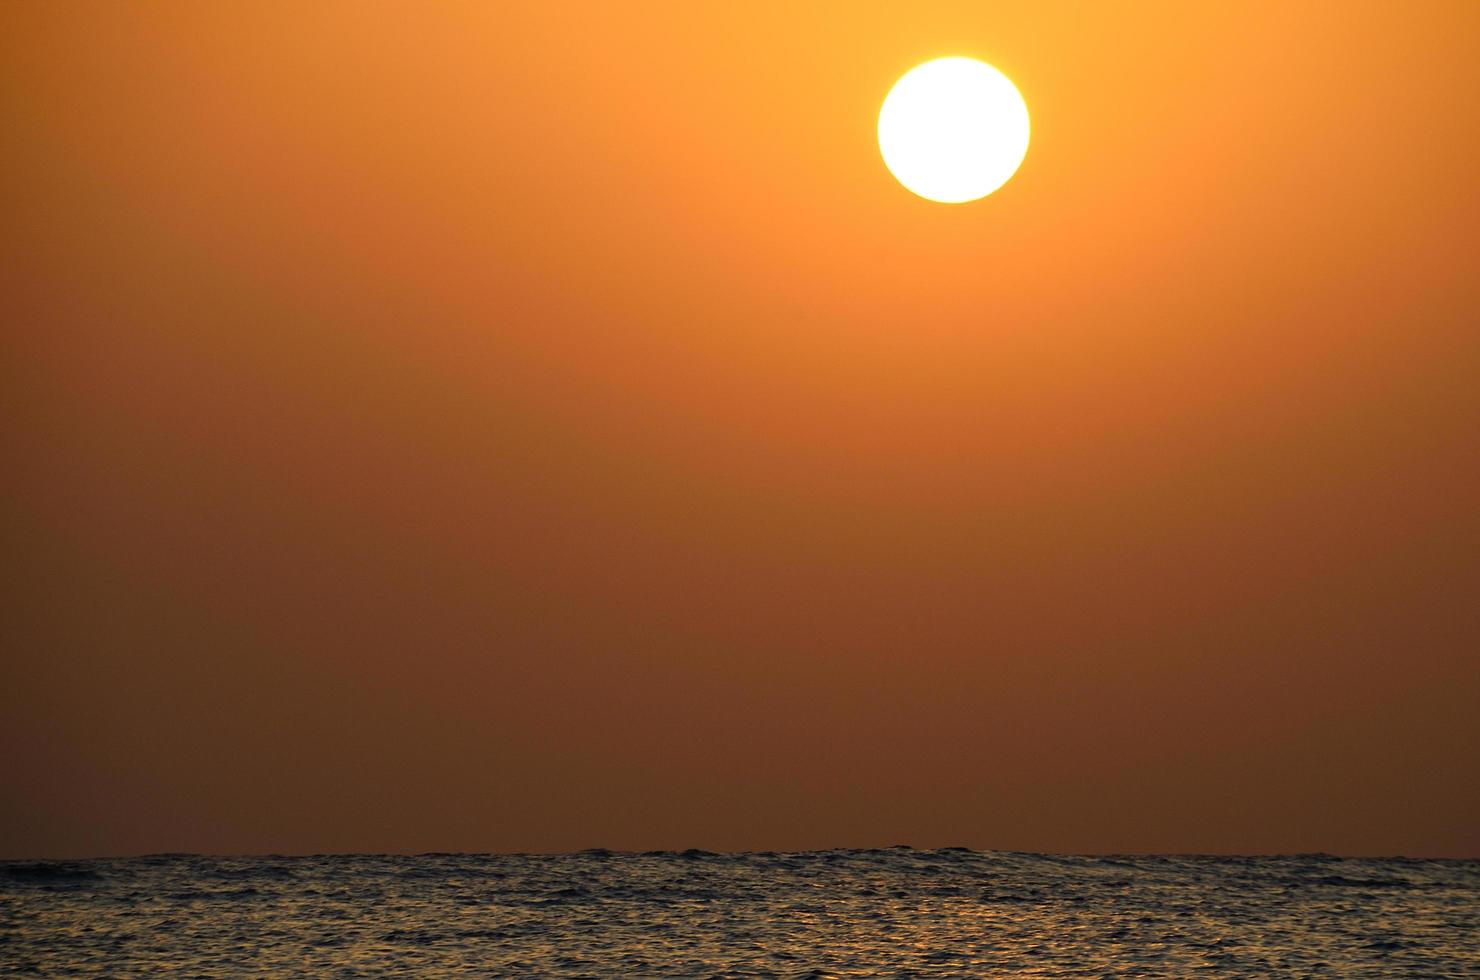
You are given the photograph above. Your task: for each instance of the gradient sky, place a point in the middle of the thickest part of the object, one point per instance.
(533, 427)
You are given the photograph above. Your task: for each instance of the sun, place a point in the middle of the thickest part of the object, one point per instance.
(953, 130)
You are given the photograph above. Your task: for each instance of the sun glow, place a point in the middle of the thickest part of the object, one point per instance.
(953, 130)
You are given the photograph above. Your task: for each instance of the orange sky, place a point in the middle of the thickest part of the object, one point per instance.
(462, 428)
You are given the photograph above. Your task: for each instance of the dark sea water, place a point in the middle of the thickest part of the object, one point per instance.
(892, 912)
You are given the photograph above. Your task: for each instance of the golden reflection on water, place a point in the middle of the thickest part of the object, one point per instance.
(817, 914)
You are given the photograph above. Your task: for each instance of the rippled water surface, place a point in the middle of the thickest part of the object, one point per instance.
(894, 912)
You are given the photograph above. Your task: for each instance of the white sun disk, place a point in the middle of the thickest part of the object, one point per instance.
(953, 130)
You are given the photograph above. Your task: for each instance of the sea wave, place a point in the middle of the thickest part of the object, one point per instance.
(835, 913)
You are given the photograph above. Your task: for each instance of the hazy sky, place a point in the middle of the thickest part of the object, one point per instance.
(533, 427)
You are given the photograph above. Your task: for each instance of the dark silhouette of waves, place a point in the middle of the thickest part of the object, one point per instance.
(891, 911)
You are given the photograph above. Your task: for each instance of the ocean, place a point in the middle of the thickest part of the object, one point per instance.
(894, 912)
